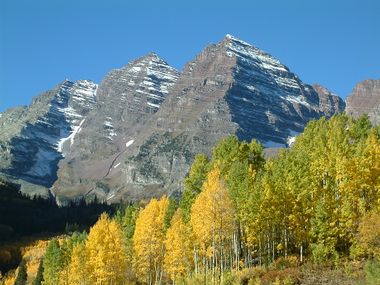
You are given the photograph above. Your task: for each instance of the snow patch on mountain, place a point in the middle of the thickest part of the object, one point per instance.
(292, 137)
(274, 77)
(159, 78)
(109, 128)
(79, 95)
(129, 143)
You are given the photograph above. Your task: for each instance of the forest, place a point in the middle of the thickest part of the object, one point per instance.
(23, 217)
(240, 216)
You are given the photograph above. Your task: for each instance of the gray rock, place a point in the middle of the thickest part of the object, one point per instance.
(33, 139)
(365, 99)
(126, 98)
(329, 103)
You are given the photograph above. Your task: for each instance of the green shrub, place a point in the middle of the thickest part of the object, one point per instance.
(288, 280)
(250, 274)
(324, 253)
(254, 281)
(285, 262)
(372, 272)
(231, 278)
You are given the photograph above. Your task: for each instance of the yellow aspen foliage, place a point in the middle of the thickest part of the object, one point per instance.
(33, 254)
(106, 254)
(78, 273)
(9, 280)
(212, 214)
(148, 241)
(369, 167)
(368, 237)
(178, 256)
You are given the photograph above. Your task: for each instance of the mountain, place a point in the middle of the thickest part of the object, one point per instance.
(135, 135)
(33, 139)
(365, 99)
(126, 98)
(329, 103)
(231, 87)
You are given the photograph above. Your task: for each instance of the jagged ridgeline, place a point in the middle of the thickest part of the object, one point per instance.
(136, 134)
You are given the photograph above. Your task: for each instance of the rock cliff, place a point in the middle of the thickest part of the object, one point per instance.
(365, 99)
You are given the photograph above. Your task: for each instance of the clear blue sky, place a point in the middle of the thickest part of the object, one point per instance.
(335, 43)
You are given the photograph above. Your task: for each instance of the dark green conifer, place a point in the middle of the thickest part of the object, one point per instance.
(22, 276)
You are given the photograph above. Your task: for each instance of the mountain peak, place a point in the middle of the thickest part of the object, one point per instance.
(150, 56)
(231, 38)
(145, 64)
(247, 51)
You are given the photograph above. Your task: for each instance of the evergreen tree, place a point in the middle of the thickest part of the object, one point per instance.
(22, 275)
(193, 184)
(172, 207)
(128, 223)
(39, 276)
(66, 250)
(128, 220)
(53, 263)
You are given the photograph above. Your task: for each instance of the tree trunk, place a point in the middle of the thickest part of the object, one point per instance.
(195, 262)
(286, 243)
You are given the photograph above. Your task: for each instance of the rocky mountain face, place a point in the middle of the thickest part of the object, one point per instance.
(329, 103)
(126, 98)
(33, 139)
(365, 99)
(229, 88)
(139, 138)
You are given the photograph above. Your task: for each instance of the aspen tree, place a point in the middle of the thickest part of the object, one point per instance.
(213, 220)
(178, 257)
(148, 241)
(78, 269)
(105, 251)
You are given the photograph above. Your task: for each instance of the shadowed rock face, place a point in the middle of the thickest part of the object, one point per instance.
(229, 88)
(33, 139)
(365, 99)
(149, 121)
